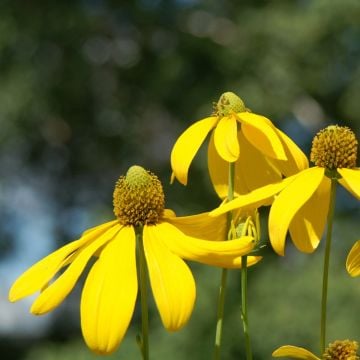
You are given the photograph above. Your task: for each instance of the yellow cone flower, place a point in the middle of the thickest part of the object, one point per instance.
(261, 152)
(110, 291)
(302, 201)
(353, 260)
(338, 350)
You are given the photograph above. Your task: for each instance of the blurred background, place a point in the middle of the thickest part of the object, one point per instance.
(91, 87)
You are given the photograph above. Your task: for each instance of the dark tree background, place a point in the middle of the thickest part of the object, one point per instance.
(89, 88)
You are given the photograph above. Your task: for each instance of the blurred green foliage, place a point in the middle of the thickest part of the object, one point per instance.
(89, 88)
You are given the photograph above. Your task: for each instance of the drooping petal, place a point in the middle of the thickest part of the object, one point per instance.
(294, 352)
(253, 167)
(187, 146)
(216, 253)
(353, 260)
(171, 280)
(219, 172)
(109, 294)
(351, 180)
(225, 139)
(296, 159)
(251, 260)
(56, 292)
(288, 203)
(308, 224)
(254, 199)
(260, 132)
(38, 275)
(201, 226)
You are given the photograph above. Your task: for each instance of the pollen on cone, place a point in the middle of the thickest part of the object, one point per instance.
(342, 349)
(334, 147)
(138, 198)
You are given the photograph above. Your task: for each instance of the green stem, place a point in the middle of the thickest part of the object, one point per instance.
(144, 343)
(220, 314)
(224, 273)
(330, 219)
(244, 313)
(231, 189)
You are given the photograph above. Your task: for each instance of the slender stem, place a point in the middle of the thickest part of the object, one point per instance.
(220, 314)
(231, 188)
(330, 219)
(244, 313)
(144, 343)
(224, 273)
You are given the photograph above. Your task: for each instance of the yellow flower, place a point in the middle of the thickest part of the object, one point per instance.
(302, 203)
(110, 291)
(353, 260)
(261, 152)
(338, 350)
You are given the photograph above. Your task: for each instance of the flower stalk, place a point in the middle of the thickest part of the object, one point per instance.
(220, 314)
(224, 273)
(330, 219)
(244, 312)
(144, 339)
(251, 229)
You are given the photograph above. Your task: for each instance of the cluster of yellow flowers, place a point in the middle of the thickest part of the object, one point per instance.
(251, 164)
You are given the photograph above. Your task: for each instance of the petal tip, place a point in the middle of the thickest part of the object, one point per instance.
(181, 178)
(12, 298)
(15, 294)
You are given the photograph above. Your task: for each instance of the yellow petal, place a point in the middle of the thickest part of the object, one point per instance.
(288, 203)
(219, 172)
(260, 132)
(351, 180)
(187, 146)
(253, 167)
(294, 352)
(353, 260)
(216, 253)
(55, 293)
(201, 226)
(254, 199)
(236, 263)
(171, 280)
(168, 213)
(251, 260)
(308, 224)
(38, 275)
(296, 159)
(225, 139)
(109, 294)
